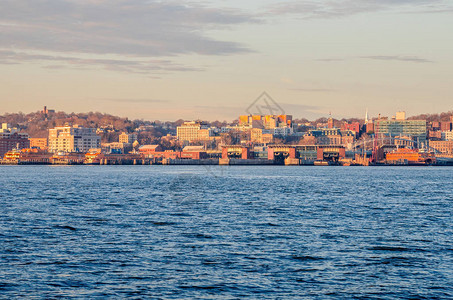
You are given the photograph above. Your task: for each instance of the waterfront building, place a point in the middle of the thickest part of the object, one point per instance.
(73, 139)
(149, 149)
(415, 129)
(11, 138)
(114, 148)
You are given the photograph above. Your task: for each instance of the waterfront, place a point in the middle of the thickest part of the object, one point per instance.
(231, 232)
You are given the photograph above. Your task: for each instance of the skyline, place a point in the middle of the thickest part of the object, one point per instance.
(134, 60)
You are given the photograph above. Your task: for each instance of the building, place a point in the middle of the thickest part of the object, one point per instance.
(446, 135)
(354, 126)
(265, 121)
(329, 136)
(415, 129)
(261, 136)
(127, 138)
(39, 143)
(148, 150)
(400, 115)
(194, 131)
(73, 139)
(446, 126)
(46, 111)
(115, 148)
(442, 146)
(282, 131)
(330, 124)
(11, 138)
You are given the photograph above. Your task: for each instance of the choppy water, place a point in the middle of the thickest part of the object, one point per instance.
(231, 232)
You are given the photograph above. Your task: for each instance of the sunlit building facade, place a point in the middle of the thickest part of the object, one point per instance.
(73, 139)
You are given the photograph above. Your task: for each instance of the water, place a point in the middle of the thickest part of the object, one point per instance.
(232, 232)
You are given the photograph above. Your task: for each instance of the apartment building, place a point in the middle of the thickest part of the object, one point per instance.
(73, 139)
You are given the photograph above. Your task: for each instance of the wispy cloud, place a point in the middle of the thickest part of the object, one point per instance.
(133, 29)
(137, 65)
(402, 58)
(309, 9)
(398, 58)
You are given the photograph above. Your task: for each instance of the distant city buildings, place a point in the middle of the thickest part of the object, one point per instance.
(265, 121)
(73, 139)
(11, 138)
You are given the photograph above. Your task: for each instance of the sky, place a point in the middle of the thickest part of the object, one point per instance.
(169, 60)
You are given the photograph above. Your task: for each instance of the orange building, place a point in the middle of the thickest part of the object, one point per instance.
(40, 143)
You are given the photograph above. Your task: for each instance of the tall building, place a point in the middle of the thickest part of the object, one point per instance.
(416, 129)
(73, 139)
(10, 138)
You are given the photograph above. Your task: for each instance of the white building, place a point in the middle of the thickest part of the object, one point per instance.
(447, 135)
(283, 131)
(73, 139)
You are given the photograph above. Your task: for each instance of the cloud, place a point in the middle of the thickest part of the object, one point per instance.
(140, 66)
(414, 59)
(312, 90)
(118, 27)
(398, 58)
(341, 8)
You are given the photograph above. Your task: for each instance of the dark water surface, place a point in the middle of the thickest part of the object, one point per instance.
(231, 232)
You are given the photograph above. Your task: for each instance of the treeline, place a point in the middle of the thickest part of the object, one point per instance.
(442, 117)
(37, 125)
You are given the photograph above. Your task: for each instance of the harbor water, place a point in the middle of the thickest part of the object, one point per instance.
(230, 232)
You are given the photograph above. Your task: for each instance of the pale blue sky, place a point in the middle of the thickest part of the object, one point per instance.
(197, 59)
